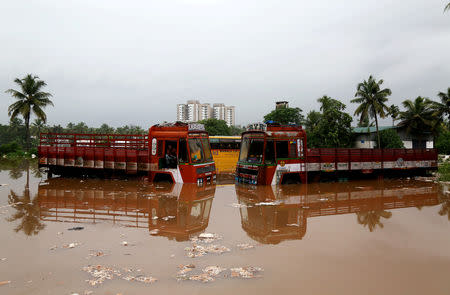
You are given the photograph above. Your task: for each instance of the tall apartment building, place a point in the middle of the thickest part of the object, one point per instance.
(194, 111)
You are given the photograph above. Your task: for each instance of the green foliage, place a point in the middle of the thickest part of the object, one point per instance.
(236, 130)
(312, 119)
(443, 143)
(419, 116)
(216, 127)
(285, 116)
(389, 139)
(332, 127)
(8, 148)
(444, 171)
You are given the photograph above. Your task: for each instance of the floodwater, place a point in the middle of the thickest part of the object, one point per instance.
(62, 236)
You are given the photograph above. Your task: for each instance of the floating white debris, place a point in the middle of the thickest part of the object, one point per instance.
(292, 224)
(154, 231)
(206, 238)
(3, 259)
(248, 272)
(245, 246)
(198, 250)
(204, 278)
(275, 230)
(267, 203)
(124, 243)
(101, 273)
(213, 270)
(237, 205)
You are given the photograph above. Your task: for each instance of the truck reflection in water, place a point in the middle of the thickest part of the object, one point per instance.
(272, 214)
(176, 211)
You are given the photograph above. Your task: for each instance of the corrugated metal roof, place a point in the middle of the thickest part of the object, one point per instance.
(371, 129)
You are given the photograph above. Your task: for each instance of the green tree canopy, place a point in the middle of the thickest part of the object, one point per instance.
(443, 143)
(312, 119)
(389, 139)
(419, 117)
(216, 127)
(372, 101)
(333, 129)
(285, 116)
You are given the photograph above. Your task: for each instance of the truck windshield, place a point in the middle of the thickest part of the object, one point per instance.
(207, 150)
(252, 150)
(196, 150)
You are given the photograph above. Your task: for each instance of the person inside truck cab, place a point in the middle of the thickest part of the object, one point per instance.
(171, 156)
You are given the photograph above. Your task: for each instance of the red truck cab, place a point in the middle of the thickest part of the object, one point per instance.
(181, 154)
(272, 154)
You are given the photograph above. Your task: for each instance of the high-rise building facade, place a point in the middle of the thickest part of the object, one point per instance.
(194, 111)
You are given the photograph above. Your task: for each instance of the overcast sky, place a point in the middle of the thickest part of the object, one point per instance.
(131, 62)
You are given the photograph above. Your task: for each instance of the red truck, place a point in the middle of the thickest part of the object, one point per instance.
(178, 153)
(275, 154)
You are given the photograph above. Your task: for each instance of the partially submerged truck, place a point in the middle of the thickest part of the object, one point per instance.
(174, 152)
(277, 154)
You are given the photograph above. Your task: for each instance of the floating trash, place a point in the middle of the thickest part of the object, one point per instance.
(199, 250)
(204, 278)
(245, 246)
(166, 218)
(184, 269)
(71, 245)
(267, 203)
(213, 270)
(124, 243)
(248, 272)
(101, 273)
(237, 205)
(206, 238)
(4, 283)
(154, 231)
(76, 228)
(97, 253)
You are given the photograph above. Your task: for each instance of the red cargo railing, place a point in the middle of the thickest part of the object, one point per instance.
(99, 151)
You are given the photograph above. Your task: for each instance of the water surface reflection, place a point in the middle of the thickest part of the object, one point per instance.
(172, 210)
(274, 214)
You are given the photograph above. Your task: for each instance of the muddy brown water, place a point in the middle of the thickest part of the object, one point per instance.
(356, 237)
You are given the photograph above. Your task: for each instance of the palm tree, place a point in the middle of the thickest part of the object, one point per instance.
(447, 7)
(393, 112)
(443, 108)
(372, 218)
(30, 99)
(419, 116)
(27, 210)
(38, 125)
(371, 99)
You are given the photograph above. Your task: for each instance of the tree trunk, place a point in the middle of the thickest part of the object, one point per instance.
(378, 133)
(27, 129)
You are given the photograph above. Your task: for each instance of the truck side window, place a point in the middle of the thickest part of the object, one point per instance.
(182, 151)
(282, 149)
(293, 148)
(269, 152)
(170, 154)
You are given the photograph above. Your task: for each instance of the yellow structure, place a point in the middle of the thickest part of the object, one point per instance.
(225, 150)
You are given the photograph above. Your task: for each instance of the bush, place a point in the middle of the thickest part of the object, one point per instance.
(444, 171)
(8, 148)
(389, 139)
(443, 143)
